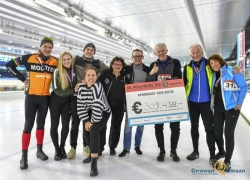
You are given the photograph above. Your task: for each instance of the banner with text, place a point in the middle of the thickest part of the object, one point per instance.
(156, 102)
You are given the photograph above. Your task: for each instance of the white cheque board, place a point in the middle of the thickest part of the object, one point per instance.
(156, 102)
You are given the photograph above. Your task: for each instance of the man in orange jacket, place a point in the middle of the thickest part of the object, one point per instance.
(39, 68)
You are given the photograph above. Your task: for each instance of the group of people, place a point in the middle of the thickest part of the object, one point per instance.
(85, 89)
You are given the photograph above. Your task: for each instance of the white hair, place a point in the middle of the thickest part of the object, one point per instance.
(161, 44)
(195, 45)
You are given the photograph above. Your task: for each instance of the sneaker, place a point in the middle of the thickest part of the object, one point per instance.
(138, 151)
(193, 156)
(220, 156)
(228, 166)
(123, 153)
(87, 160)
(174, 156)
(161, 156)
(71, 154)
(86, 151)
(213, 161)
(112, 152)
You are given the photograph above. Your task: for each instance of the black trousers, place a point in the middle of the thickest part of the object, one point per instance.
(202, 109)
(229, 118)
(74, 123)
(115, 128)
(59, 106)
(175, 134)
(35, 105)
(93, 137)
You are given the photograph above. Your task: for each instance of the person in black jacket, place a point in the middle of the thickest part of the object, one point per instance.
(165, 66)
(136, 73)
(113, 83)
(63, 83)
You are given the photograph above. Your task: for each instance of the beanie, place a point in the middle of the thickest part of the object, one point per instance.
(46, 40)
(89, 45)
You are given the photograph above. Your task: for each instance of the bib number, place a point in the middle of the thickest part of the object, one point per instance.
(230, 86)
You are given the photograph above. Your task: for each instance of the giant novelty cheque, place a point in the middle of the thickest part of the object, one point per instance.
(156, 102)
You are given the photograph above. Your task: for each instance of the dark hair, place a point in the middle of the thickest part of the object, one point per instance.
(137, 50)
(85, 71)
(119, 59)
(217, 57)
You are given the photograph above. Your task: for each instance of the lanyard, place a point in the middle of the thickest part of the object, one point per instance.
(70, 78)
(197, 70)
(39, 59)
(216, 84)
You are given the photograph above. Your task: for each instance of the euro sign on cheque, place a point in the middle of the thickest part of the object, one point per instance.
(156, 102)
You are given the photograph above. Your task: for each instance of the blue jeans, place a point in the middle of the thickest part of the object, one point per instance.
(128, 134)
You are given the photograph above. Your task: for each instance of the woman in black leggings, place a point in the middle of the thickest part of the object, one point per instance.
(229, 91)
(94, 110)
(63, 83)
(113, 84)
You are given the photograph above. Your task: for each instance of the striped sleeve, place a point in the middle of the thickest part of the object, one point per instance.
(93, 99)
(99, 103)
(83, 103)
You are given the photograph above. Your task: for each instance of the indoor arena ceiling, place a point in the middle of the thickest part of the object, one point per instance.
(118, 26)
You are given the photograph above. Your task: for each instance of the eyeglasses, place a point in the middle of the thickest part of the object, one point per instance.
(137, 57)
(117, 64)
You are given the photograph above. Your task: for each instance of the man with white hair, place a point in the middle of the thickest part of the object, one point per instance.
(197, 77)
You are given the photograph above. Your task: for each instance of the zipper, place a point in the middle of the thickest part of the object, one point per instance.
(199, 88)
(109, 88)
(222, 93)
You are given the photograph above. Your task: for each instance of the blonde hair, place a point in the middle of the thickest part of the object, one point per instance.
(85, 71)
(61, 71)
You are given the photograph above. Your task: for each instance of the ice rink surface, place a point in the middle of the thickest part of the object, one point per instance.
(130, 167)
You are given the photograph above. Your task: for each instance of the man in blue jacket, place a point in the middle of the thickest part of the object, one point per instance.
(197, 77)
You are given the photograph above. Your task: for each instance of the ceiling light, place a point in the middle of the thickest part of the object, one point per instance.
(93, 26)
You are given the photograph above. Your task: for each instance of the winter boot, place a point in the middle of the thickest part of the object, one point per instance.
(94, 170)
(24, 160)
(58, 155)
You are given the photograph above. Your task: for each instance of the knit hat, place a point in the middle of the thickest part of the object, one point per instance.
(89, 45)
(46, 40)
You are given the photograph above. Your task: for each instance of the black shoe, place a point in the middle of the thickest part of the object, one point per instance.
(40, 154)
(63, 152)
(193, 156)
(220, 156)
(123, 153)
(228, 166)
(112, 152)
(24, 160)
(94, 169)
(174, 156)
(87, 160)
(213, 161)
(138, 151)
(161, 156)
(58, 155)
